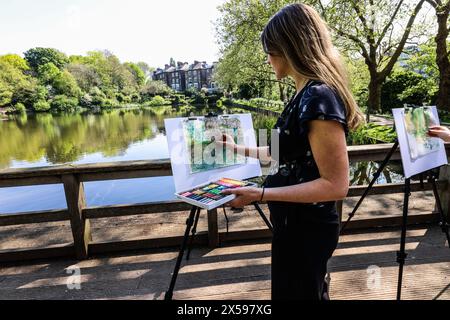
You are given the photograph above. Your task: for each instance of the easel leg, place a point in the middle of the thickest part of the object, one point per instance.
(189, 223)
(263, 216)
(194, 231)
(372, 182)
(401, 255)
(442, 219)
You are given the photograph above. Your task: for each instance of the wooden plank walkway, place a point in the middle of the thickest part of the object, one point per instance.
(241, 271)
(237, 270)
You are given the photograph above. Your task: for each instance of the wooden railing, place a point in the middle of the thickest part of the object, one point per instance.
(73, 177)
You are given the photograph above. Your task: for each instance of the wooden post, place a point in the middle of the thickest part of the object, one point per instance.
(76, 202)
(213, 229)
(444, 194)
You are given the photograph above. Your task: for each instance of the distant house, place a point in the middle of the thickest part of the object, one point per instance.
(184, 76)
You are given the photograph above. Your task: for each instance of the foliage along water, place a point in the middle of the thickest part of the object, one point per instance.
(115, 135)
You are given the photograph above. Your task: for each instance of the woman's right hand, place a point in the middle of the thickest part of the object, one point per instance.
(227, 141)
(439, 132)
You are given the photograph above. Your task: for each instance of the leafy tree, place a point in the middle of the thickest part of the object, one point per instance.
(145, 68)
(442, 10)
(404, 86)
(136, 71)
(63, 103)
(378, 30)
(40, 56)
(85, 75)
(16, 61)
(61, 81)
(41, 106)
(243, 63)
(153, 88)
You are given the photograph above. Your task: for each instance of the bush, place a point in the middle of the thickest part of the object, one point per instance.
(86, 101)
(407, 87)
(158, 101)
(19, 108)
(41, 106)
(107, 103)
(63, 103)
(372, 134)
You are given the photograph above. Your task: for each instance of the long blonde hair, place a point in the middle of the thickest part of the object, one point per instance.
(298, 33)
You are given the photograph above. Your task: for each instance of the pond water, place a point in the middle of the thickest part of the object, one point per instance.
(117, 135)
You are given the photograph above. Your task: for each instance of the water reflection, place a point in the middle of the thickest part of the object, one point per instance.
(108, 136)
(361, 173)
(46, 139)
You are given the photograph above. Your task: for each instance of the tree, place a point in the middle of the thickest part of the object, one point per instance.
(136, 71)
(406, 86)
(145, 68)
(40, 56)
(61, 82)
(442, 9)
(85, 75)
(377, 30)
(15, 85)
(153, 88)
(243, 63)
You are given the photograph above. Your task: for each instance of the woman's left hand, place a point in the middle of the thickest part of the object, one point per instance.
(244, 196)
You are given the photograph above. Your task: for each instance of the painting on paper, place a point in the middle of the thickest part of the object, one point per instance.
(417, 121)
(200, 134)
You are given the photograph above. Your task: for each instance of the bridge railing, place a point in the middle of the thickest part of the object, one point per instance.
(74, 176)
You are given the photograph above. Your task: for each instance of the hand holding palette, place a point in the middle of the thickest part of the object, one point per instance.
(209, 196)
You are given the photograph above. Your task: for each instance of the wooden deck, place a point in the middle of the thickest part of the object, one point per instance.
(236, 270)
(241, 271)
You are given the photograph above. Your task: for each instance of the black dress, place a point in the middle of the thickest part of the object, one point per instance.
(305, 234)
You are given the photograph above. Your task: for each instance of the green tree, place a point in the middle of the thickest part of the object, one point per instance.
(377, 30)
(40, 56)
(405, 86)
(15, 85)
(85, 75)
(61, 81)
(136, 71)
(442, 10)
(243, 63)
(153, 88)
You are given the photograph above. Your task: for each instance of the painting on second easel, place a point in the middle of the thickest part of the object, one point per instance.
(417, 121)
(200, 134)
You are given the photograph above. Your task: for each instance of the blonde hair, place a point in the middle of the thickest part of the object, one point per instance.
(298, 33)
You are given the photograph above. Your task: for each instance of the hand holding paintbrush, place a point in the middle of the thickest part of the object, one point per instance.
(439, 132)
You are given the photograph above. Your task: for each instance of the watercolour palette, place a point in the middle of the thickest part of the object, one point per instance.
(208, 196)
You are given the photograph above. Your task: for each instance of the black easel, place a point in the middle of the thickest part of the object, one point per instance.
(192, 222)
(431, 175)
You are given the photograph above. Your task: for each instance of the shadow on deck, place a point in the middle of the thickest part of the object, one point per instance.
(241, 270)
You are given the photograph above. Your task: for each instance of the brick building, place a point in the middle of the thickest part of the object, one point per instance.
(184, 76)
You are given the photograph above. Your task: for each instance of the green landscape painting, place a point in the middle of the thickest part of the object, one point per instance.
(417, 121)
(200, 135)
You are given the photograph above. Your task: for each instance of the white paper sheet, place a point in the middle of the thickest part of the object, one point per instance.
(412, 167)
(184, 180)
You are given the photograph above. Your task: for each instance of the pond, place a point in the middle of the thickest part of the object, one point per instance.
(39, 140)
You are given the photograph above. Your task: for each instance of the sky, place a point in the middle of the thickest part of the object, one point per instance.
(152, 31)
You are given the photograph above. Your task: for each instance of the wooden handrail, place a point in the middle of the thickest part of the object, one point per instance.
(73, 177)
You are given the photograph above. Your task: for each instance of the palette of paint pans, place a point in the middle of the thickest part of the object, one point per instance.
(209, 196)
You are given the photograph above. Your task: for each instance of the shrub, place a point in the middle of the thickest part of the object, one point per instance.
(41, 106)
(19, 108)
(64, 104)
